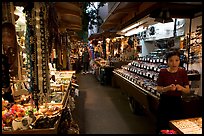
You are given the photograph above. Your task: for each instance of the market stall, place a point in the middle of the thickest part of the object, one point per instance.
(43, 97)
(47, 119)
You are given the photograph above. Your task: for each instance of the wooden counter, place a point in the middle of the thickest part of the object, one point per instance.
(64, 103)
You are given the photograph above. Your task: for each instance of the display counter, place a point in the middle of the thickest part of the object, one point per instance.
(187, 126)
(49, 117)
(102, 71)
(118, 64)
(138, 79)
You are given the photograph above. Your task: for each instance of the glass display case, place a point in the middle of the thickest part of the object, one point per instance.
(138, 81)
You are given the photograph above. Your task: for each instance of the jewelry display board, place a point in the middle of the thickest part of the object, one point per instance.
(29, 43)
(187, 126)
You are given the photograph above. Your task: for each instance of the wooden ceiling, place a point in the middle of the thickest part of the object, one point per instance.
(70, 15)
(127, 13)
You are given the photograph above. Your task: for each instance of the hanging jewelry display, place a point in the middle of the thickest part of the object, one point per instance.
(31, 52)
(28, 37)
(42, 52)
(46, 86)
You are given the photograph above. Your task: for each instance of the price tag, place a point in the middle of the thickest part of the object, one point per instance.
(153, 60)
(165, 62)
(150, 60)
(155, 78)
(161, 60)
(145, 66)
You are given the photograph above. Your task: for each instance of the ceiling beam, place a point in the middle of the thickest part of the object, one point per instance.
(63, 11)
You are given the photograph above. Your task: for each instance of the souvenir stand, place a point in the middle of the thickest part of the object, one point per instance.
(43, 105)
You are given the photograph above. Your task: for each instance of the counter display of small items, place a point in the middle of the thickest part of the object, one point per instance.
(145, 71)
(18, 118)
(142, 75)
(187, 126)
(44, 119)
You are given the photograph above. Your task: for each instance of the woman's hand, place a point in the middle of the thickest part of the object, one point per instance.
(179, 87)
(172, 87)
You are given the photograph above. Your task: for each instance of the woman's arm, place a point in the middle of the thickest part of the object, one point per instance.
(184, 89)
(171, 87)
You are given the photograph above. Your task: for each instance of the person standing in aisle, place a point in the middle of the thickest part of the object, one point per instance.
(85, 60)
(171, 83)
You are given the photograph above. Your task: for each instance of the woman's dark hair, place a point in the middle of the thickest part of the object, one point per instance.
(171, 53)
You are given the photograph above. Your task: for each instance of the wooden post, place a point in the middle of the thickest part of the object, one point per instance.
(189, 43)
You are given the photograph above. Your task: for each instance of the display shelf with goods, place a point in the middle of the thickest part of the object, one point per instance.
(38, 106)
(46, 120)
(138, 81)
(102, 70)
(194, 46)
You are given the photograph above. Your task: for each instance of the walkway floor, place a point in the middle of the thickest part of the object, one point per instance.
(105, 110)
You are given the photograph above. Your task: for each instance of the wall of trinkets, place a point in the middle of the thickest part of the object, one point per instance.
(43, 97)
(138, 79)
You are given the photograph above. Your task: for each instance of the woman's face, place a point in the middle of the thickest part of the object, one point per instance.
(174, 62)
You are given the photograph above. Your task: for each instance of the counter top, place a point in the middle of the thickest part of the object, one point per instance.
(187, 126)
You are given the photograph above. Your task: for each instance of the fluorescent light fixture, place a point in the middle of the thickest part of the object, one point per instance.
(134, 31)
(130, 27)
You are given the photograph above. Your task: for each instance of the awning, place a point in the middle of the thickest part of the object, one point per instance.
(105, 34)
(127, 13)
(69, 14)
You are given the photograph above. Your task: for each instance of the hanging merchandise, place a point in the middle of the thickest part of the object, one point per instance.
(42, 52)
(28, 44)
(32, 52)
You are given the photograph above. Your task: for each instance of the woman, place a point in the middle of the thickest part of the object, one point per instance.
(172, 82)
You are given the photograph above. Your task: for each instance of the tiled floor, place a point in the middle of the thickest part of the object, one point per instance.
(105, 110)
